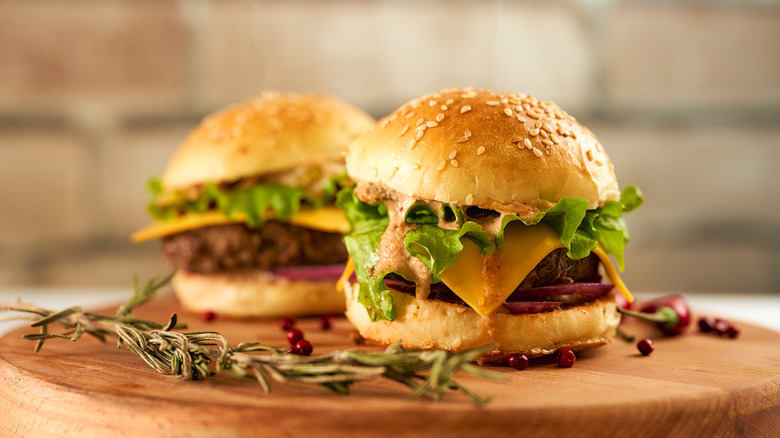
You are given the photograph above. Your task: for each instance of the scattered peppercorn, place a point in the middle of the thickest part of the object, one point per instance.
(294, 335)
(706, 325)
(733, 331)
(326, 322)
(286, 323)
(518, 361)
(721, 327)
(565, 358)
(645, 346)
(304, 347)
(208, 316)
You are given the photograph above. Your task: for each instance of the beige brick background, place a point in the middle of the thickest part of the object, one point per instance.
(685, 96)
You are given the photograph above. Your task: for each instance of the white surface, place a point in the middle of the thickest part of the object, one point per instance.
(762, 310)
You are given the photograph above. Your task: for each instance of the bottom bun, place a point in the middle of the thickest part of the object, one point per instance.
(256, 294)
(434, 324)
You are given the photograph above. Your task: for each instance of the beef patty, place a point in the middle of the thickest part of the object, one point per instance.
(230, 247)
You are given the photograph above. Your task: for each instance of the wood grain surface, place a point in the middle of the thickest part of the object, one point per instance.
(692, 385)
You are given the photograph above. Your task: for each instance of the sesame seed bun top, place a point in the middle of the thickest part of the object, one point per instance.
(269, 133)
(505, 152)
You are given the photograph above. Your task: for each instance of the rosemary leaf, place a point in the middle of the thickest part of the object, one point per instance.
(192, 356)
(56, 316)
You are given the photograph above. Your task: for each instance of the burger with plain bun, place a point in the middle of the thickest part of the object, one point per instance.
(484, 218)
(245, 207)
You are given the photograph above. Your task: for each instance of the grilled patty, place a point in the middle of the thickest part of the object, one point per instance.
(230, 247)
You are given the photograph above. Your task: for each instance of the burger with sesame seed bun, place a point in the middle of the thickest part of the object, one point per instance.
(481, 218)
(245, 208)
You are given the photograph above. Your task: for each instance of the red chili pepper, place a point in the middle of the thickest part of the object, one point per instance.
(670, 313)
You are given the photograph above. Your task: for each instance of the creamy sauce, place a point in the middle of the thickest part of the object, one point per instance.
(392, 252)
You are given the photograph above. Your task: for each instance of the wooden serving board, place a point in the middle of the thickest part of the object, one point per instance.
(692, 385)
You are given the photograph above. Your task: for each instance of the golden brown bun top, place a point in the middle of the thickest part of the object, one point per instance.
(269, 133)
(506, 152)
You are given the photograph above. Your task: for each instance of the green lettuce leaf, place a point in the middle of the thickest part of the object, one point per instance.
(421, 214)
(254, 201)
(367, 223)
(439, 249)
(453, 212)
(581, 230)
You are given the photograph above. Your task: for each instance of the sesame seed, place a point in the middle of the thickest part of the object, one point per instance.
(419, 135)
(454, 163)
(431, 124)
(481, 150)
(444, 107)
(403, 130)
(547, 142)
(393, 116)
(412, 143)
(449, 101)
(493, 102)
(517, 139)
(589, 154)
(515, 100)
(532, 114)
(504, 100)
(508, 111)
(534, 132)
(537, 152)
(420, 121)
(409, 114)
(441, 165)
(527, 143)
(555, 139)
(467, 133)
(462, 139)
(431, 103)
(520, 146)
(544, 134)
(439, 117)
(520, 118)
(453, 154)
(469, 199)
(464, 109)
(385, 122)
(537, 124)
(546, 126)
(421, 128)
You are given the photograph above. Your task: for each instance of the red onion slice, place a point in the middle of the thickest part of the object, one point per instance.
(400, 285)
(320, 272)
(522, 307)
(591, 289)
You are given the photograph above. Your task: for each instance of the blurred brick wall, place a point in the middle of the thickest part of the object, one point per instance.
(685, 96)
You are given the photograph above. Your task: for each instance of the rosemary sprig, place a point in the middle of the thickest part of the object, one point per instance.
(190, 355)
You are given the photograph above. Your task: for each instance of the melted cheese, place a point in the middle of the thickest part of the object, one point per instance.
(612, 273)
(329, 219)
(349, 268)
(484, 283)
